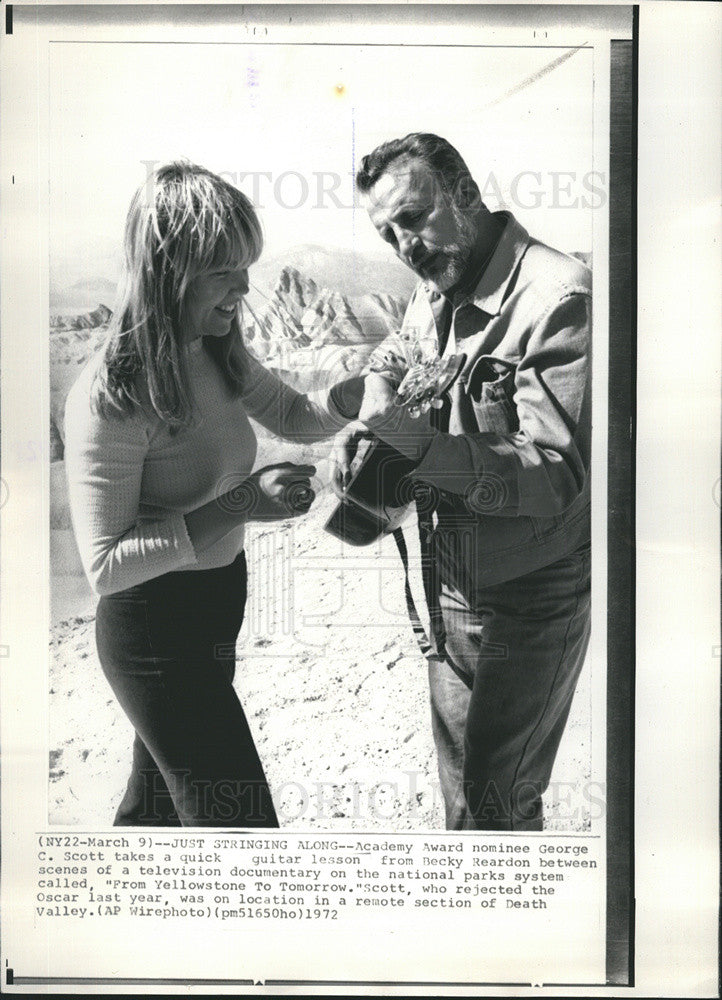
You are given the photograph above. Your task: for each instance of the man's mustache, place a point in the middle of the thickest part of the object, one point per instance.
(441, 258)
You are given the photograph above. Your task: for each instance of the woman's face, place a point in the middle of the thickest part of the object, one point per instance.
(212, 301)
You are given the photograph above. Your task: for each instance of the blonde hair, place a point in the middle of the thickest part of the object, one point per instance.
(182, 221)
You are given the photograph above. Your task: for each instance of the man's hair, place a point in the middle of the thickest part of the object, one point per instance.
(183, 221)
(445, 164)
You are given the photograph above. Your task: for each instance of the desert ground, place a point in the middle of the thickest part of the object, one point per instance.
(331, 680)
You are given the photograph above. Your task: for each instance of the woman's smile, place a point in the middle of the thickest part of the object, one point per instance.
(213, 300)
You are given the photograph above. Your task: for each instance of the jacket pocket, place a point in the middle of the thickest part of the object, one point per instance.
(491, 386)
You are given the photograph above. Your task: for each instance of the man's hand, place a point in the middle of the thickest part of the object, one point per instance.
(344, 451)
(378, 404)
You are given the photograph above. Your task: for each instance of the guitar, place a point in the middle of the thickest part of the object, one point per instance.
(380, 492)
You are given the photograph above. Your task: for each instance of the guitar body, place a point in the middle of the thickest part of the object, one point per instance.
(376, 500)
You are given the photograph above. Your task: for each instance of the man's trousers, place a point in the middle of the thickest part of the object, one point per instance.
(500, 700)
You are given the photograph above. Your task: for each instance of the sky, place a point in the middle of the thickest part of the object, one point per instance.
(295, 120)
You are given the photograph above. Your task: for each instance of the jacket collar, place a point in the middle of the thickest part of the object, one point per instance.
(491, 287)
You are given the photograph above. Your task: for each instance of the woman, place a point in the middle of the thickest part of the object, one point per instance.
(159, 453)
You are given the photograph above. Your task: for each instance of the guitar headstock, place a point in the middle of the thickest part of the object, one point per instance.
(425, 383)
(413, 363)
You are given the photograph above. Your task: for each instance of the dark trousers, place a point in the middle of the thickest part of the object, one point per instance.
(500, 702)
(167, 648)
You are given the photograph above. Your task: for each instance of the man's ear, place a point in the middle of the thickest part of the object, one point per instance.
(467, 195)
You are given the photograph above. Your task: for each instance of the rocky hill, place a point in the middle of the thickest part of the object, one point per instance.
(81, 296)
(350, 272)
(85, 321)
(300, 314)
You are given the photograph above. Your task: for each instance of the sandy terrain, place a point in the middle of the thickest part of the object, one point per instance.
(330, 678)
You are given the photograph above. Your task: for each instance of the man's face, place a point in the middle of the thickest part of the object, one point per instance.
(416, 217)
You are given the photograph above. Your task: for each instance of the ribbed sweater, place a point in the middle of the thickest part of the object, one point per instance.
(131, 480)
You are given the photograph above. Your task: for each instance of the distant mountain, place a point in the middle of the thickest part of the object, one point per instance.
(345, 271)
(299, 314)
(86, 321)
(82, 296)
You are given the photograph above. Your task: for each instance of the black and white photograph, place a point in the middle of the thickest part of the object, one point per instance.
(276, 211)
(331, 456)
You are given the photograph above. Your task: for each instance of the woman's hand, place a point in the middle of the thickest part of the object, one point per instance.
(274, 493)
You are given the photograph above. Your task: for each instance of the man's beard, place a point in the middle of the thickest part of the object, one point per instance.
(455, 257)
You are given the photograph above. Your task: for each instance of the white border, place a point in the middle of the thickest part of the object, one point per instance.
(677, 517)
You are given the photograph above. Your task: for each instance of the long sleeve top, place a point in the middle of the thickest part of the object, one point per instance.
(131, 480)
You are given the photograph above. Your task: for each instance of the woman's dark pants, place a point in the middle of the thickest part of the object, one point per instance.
(167, 648)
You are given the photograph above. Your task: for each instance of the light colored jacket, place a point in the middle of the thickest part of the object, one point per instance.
(512, 472)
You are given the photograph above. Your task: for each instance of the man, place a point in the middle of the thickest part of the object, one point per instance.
(509, 459)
